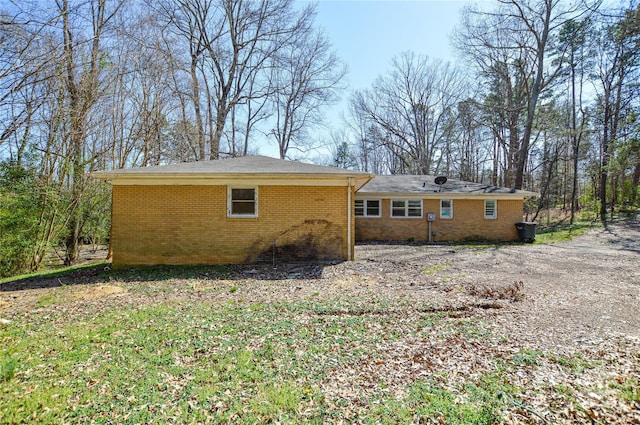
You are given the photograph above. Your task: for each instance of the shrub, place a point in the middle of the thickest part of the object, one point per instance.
(18, 219)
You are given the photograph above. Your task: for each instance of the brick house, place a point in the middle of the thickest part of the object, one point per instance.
(238, 210)
(255, 208)
(401, 208)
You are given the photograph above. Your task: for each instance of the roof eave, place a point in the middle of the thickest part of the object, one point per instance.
(358, 179)
(445, 194)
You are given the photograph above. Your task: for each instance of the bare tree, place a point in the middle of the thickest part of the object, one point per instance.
(25, 64)
(573, 38)
(412, 105)
(60, 70)
(234, 39)
(472, 147)
(369, 144)
(510, 47)
(306, 75)
(83, 65)
(618, 61)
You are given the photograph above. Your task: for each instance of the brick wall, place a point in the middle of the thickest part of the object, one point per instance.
(189, 225)
(468, 222)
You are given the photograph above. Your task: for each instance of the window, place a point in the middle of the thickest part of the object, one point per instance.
(446, 208)
(367, 207)
(490, 208)
(406, 208)
(242, 202)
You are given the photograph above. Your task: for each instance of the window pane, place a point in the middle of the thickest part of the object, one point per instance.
(415, 208)
(243, 208)
(359, 207)
(490, 209)
(398, 212)
(445, 208)
(397, 209)
(373, 207)
(243, 194)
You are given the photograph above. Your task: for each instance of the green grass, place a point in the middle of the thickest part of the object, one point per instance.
(143, 273)
(431, 270)
(51, 298)
(160, 358)
(171, 272)
(483, 402)
(193, 362)
(527, 357)
(629, 389)
(178, 361)
(575, 363)
(7, 368)
(563, 231)
(59, 272)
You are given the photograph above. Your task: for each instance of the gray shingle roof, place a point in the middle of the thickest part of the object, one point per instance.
(247, 165)
(258, 165)
(402, 184)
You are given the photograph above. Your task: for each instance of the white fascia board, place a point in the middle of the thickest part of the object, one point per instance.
(127, 180)
(442, 195)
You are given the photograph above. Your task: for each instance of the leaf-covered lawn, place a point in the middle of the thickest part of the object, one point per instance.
(243, 362)
(362, 342)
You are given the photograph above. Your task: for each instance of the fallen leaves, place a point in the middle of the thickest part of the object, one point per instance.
(358, 336)
(97, 291)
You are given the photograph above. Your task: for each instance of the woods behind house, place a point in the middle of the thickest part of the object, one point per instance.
(544, 97)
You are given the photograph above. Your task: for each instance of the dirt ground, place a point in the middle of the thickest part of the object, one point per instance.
(571, 291)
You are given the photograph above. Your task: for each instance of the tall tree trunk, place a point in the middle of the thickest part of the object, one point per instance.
(604, 162)
(82, 92)
(575, 140)
(536, 88)
(75, 141)
(635, 182)
(195, 89)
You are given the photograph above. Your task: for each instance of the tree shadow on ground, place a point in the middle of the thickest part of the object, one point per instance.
(102, 273)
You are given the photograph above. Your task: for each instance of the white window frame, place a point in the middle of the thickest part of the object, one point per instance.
(230, 202)
(365, 208)
(495, 209)
(406, 208)
(442, 209)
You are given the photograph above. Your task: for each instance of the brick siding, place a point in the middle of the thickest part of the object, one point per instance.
(468, 222)
(189, 225)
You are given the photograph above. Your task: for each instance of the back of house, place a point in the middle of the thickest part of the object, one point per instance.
(427, 208)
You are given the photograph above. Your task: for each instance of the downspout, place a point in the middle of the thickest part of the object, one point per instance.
(349, 242)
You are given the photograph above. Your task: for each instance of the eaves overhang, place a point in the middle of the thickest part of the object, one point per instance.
(116, 178)
(520, 194)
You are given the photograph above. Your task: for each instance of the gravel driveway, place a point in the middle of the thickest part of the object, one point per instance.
(585, 289)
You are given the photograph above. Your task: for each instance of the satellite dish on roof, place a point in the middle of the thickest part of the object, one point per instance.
(440, 180)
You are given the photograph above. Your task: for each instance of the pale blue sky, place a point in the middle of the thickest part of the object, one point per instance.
(367, 34)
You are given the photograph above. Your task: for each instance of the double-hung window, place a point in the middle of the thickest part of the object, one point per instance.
(490, 209)
(242, 202)
(446, 208)
(367, 207)
(411, 208)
